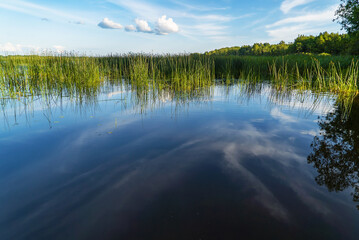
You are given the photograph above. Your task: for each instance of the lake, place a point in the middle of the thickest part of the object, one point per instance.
(230, 162)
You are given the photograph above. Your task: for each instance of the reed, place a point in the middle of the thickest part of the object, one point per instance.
(81, 77)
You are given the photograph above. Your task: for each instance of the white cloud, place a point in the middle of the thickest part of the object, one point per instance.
(289, 33)
(277, 114)
(108, 24)
(181, 14)
(9, 47)
(142, 26)
(312, 133)
(288, 5)
(325, 16)
(163, 24)
(166, 26)
(12, 48)
(263, 194)
(59, 49)
(130, 28)
(313, 22)
(152, 11)
(313, 104)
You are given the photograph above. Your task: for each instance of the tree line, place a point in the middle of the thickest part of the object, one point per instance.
(324, 43)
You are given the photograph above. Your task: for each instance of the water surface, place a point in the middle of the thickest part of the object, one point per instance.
(234, 162)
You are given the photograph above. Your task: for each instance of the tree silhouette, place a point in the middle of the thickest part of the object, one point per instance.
(335, 152)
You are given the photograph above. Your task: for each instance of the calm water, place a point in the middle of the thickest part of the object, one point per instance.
(230, 163)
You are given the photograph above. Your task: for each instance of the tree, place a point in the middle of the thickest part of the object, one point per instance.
(348, 15)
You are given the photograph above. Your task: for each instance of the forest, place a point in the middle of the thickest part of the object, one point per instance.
(325, 43)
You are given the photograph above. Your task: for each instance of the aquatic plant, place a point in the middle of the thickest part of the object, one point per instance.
(81, 77)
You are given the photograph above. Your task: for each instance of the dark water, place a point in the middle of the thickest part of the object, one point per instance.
(233, 163)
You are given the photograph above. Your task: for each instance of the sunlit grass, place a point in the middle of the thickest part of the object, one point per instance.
(81, 78)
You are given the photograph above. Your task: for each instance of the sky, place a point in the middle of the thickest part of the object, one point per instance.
(101, 27)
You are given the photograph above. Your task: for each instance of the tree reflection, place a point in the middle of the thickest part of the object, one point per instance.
(336, 150)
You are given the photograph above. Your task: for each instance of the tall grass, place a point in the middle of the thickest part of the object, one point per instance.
(178, 72)
(79, 76)
(315, 77)
(82, 77)
(337, 74)
(49, 75)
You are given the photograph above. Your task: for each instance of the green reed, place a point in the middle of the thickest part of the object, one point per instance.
(49, 75)
(81, 77)
(315, 77)
(337, 74)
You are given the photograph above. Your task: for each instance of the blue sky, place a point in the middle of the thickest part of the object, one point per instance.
(158, 26)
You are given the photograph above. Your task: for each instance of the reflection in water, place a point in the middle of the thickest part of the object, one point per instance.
(336, 151)
(123, 95)
(139, 101)
(236, 161)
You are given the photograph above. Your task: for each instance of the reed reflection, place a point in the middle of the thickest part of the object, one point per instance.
(125, 96)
